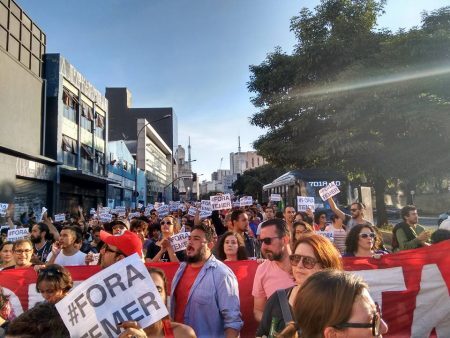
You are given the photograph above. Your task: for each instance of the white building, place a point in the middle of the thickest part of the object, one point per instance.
(242, 161)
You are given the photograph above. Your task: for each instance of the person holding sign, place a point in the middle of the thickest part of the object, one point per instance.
(356, 217)
(162, 250)
(205, 291)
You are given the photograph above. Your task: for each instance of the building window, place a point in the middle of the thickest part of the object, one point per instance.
(257, 161)
(69, 147)
(253, 162)
(70, 105)
(100, 163)
(86, 124)
(86, 158)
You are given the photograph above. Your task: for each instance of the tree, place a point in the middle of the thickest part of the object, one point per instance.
(358, 99)
(251, 182)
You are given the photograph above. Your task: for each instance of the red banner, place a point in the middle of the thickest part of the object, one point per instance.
(412, 287)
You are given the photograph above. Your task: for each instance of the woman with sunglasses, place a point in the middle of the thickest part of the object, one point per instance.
(53, 283)
(335, 304)
(162, 251)
(312, 253)
(363, 241)
(164, 327)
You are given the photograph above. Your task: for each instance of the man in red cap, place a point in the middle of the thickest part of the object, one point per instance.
(118, 247)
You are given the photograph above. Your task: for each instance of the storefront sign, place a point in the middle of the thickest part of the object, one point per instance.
(31, 169)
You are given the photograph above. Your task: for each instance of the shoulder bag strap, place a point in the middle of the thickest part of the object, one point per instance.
(285, 308)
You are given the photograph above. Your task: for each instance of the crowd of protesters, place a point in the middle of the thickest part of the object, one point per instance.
(299, 288)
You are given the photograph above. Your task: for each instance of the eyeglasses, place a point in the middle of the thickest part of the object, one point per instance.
(366, 235)
(168, 223)
(267, 240)
(108, 249)
(375, 324)
(27, 251)
(308, 262)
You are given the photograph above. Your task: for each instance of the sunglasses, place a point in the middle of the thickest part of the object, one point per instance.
(267, 240)
(375, 324)
(366, 235)
(308, 262)
(168, 223)
(108, 249)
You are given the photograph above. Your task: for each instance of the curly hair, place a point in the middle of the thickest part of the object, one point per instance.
(58, 276)
(351, 243)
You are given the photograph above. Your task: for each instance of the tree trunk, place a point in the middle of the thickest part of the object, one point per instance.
(380, 188)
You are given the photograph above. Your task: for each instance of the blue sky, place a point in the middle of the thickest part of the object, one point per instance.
(192, 55)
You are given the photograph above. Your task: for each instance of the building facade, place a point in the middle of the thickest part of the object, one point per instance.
(242, 161)
(76, 134)
(27, 175)
(186, 188)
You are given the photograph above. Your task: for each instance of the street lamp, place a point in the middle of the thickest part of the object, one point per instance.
(135, 161)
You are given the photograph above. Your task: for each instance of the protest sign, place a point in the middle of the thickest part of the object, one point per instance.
(150, 206)
(16, 234)
(303, 203)
(95, 258)
(134, 215)
(174, 206)
(183, 207)
(43, 211)
(192, 211)
(275, 197)
(92, 211)
(158, 205)
(140, 205)
(236, 204)
(220, 202)
(205, 213)
(104, 210)
(105, 217)
(179, 241)
(124, 291)
(326, 234)
(245, 200)
(329, 191)
(163, 210)
(205, 205)
(60, 217)
(3, 208)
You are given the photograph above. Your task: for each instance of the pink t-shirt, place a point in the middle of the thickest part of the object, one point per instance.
(270, 278)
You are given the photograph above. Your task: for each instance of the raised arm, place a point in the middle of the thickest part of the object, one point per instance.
(335, 209)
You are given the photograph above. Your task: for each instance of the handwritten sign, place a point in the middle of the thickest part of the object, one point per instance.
(326, 234)
(179, 241)
(163, 210)
(205, 205)
(303, 203)
(60, 217)
(329, 191)
(3, 208)
(123, 291)
(220, 202)
(16, 234)
(246, 200)
(275, 197)
(105, 217)
(192, 211)
(205, 214)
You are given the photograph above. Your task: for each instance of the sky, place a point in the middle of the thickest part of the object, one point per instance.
(192, 55)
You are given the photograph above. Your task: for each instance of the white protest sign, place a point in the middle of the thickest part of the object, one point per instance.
(192, 211)
(220, 202)
(183, 207)
(329, 191)
(236, 204)
(303, 203)
(163, 210)
(104, 210)
(246, 200)
(179, 241)
(140, 205)
(150, 206)
(16, 234)
(92, 211)
(105, 217)
(3, 208)
(158, 205)
(147, 211)
(326, 234)
(123, 291)
(205, 213)
(174, 206)
(275, 197)
(134, 215)
(60, 217)
(205, 205)
(43, 211)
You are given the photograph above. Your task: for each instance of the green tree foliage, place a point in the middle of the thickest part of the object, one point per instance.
(358, 99)
(250, 183)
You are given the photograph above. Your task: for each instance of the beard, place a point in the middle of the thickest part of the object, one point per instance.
(197, 257)
(35, 240)
(272, 256)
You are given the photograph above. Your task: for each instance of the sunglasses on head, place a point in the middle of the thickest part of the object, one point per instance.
(267, 240)
(366, 235)
(308, 262)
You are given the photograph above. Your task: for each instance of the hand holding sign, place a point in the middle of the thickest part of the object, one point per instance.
(329, 191)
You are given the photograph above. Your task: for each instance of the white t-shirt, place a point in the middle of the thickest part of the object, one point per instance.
(61, 259)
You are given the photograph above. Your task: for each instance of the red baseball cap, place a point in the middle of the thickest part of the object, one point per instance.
(128, 242)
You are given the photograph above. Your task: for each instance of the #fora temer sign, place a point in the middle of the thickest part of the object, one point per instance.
(124, 291)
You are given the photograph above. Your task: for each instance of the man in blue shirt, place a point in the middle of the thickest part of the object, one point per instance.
(205, 292)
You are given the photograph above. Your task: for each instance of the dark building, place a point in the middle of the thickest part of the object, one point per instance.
(123, 118)
(77, 123)
(27, 176)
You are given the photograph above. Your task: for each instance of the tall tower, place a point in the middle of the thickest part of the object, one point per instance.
(239, 144)
(189, 154)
